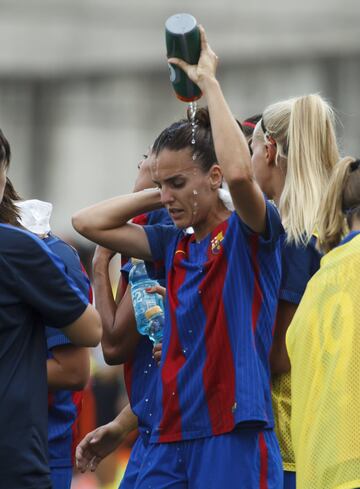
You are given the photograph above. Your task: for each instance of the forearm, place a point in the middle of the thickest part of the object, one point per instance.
(104, 300)
(115, 212)
(230, 144)
(60, 378)
(126, 421)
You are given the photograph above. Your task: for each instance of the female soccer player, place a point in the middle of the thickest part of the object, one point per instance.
(323, 343)
(294, 150)
(222, 284)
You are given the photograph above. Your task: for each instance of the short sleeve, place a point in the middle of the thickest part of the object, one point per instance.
(37, 277)
(160, 237)
(55, 338)
(299, 264)
(274, 229)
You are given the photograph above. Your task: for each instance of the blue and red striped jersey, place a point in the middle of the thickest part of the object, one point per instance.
(141, 372)
(64, 406)
(221, 304)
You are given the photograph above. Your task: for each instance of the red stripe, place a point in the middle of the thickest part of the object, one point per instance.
(77, 399)
(257, 293)
(141, 219)
(263, 462)
(248, 124)
(175, 359)
(219, 370)
(128, 372)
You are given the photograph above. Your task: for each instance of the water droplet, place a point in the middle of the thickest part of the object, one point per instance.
(150, 365)
(150, 414)
(180, 460)
(195, 192)
(147, 432)
(173, 393)
(194, 156)
(145, 371)
(146, 400)
(192, 113)
(190, 331)
(184, 351)
(193, 141)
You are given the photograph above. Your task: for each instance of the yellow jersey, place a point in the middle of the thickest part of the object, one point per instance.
(323, 343)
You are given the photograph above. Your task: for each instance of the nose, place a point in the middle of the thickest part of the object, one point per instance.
(166, 196)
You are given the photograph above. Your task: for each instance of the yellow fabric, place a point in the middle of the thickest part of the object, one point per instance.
(281, 399)
(323, 342)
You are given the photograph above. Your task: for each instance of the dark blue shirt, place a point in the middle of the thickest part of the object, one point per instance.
(34, 290)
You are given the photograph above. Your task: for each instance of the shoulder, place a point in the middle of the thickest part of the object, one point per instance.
(13, 238)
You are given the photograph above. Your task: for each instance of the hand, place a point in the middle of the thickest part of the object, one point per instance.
(97, 445)
(206, 67)
(157, 350)
(157, 289)
(102, 255)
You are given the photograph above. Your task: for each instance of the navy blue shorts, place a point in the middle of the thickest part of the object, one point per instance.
(61, 477)
(289, 480)
(133, 466)
(246, 459)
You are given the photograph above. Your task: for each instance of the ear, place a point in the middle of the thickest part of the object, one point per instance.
(270, 149)
(216, 177)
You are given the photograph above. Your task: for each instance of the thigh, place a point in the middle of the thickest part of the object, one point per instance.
(61, 477)
(289, 480)
(163, 467)
(244, 459)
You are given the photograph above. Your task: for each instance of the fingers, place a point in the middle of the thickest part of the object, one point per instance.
(157, 350)
(180, 63)
(157, 289)
(203, 38)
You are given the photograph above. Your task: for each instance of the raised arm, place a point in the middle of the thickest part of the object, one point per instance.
(120, 336)
(107, 224)
(230, 144)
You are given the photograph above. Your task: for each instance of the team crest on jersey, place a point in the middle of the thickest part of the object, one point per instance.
(216, 243)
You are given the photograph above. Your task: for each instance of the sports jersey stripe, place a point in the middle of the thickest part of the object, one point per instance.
(175, 359)
(257, 293)
(263, 461)
(218, 378)
(77, 400)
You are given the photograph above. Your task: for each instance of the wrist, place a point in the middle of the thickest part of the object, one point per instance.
(208, 82)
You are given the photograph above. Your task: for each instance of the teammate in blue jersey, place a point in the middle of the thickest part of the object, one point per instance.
(294, 150)
(34, 290)
(213, 414)
(121, 343)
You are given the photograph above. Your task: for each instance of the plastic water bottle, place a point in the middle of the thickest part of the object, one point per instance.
(183, 41)
(155, 324)
(142, 300)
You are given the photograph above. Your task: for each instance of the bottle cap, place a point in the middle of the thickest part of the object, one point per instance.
(135, 261)
(152, 311)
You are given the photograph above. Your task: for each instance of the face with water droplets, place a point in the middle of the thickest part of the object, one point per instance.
(186, 190)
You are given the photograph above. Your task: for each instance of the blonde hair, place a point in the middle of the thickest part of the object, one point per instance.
(341, 202)
(304, 133)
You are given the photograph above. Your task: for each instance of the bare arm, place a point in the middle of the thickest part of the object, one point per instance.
(120, 336)
(86, 330)
(279, 359)
(99, 443)
(231, 148)
(107, 224)
(69, 369)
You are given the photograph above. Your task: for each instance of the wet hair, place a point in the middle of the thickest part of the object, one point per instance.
(249, 124)
(302, 129)
(5, 152)
(341, 203)
(9, 212)
(179, 135)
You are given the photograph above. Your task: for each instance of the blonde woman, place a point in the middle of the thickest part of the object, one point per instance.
(294, 150)
(323, 342)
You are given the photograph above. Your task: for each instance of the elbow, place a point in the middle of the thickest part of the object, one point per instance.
(78, 223)
(238, 178)
(114, 355)
(79, 381)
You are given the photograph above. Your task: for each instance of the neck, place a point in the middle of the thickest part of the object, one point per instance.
(355, 225)
(210, 221)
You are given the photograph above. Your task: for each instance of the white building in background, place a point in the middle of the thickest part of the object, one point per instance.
(84, 85)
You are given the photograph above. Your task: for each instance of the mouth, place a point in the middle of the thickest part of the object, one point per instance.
(176, 213)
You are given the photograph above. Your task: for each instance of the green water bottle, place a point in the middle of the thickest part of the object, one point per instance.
(183, 41)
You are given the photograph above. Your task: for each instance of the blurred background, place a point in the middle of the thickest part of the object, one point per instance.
(84, 87)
